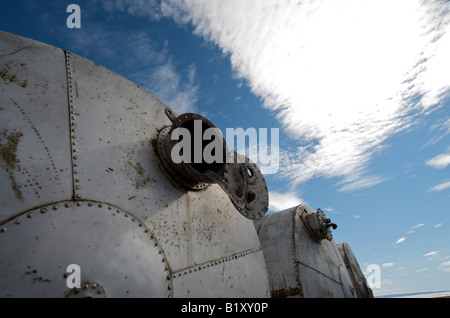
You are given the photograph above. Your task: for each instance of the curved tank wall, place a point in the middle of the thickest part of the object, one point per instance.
(82, 184)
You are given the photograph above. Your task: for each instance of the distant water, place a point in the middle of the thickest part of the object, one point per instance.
(428, 294)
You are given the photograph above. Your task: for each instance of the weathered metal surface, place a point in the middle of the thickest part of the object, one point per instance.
(213, 279)
(202, 231)
(112, 247)
(112, 124)
(34, 126)
(240, 178)
(359, 281)
(318, 225)
(76, 134)
(296, 262)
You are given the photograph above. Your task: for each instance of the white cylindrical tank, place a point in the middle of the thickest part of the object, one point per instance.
(301, 256)
(81, 183)
(92, 204)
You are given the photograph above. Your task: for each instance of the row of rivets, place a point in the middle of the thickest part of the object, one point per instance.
(213, 263)
(72, 123)
(114, 211)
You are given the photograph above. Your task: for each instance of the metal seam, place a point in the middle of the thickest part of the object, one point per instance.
(60, 205)
(201, 266)
(72, 123)
(296, 271)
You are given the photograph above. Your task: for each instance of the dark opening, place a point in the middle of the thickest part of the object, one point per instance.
(203, 166)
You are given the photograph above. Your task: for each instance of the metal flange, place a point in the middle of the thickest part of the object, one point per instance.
(240, 178)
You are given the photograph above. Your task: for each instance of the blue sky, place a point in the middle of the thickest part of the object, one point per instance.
(359, 90)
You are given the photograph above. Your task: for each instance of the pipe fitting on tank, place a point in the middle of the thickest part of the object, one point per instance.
(194, 154)
(318, 225)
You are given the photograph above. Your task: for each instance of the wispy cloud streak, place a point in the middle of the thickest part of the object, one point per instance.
(342, 76)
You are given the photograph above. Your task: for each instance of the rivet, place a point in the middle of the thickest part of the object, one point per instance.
(75, 150)
(43, 210)
(78, 203)
(30, 215)
(67, 205)
(78, 197)
(55, 207)
(18, 221)
(78, 187)
(100, 206)
(94, 286)
(2, 230)
(77, 180)
(75, 157)
(90, 204)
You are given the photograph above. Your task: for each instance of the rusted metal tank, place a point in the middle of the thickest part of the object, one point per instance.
(87, 180)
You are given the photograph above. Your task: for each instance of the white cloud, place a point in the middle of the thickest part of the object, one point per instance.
(417, 226)
(388, 264)
(400, 240)
(431, 253)
(445, 264)
(421, 270)
(283, 201)
(145, 62)
(439, 162)
(440, 187)
(342, 76)
(438, 225)
(178, 90)
(443, 128)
